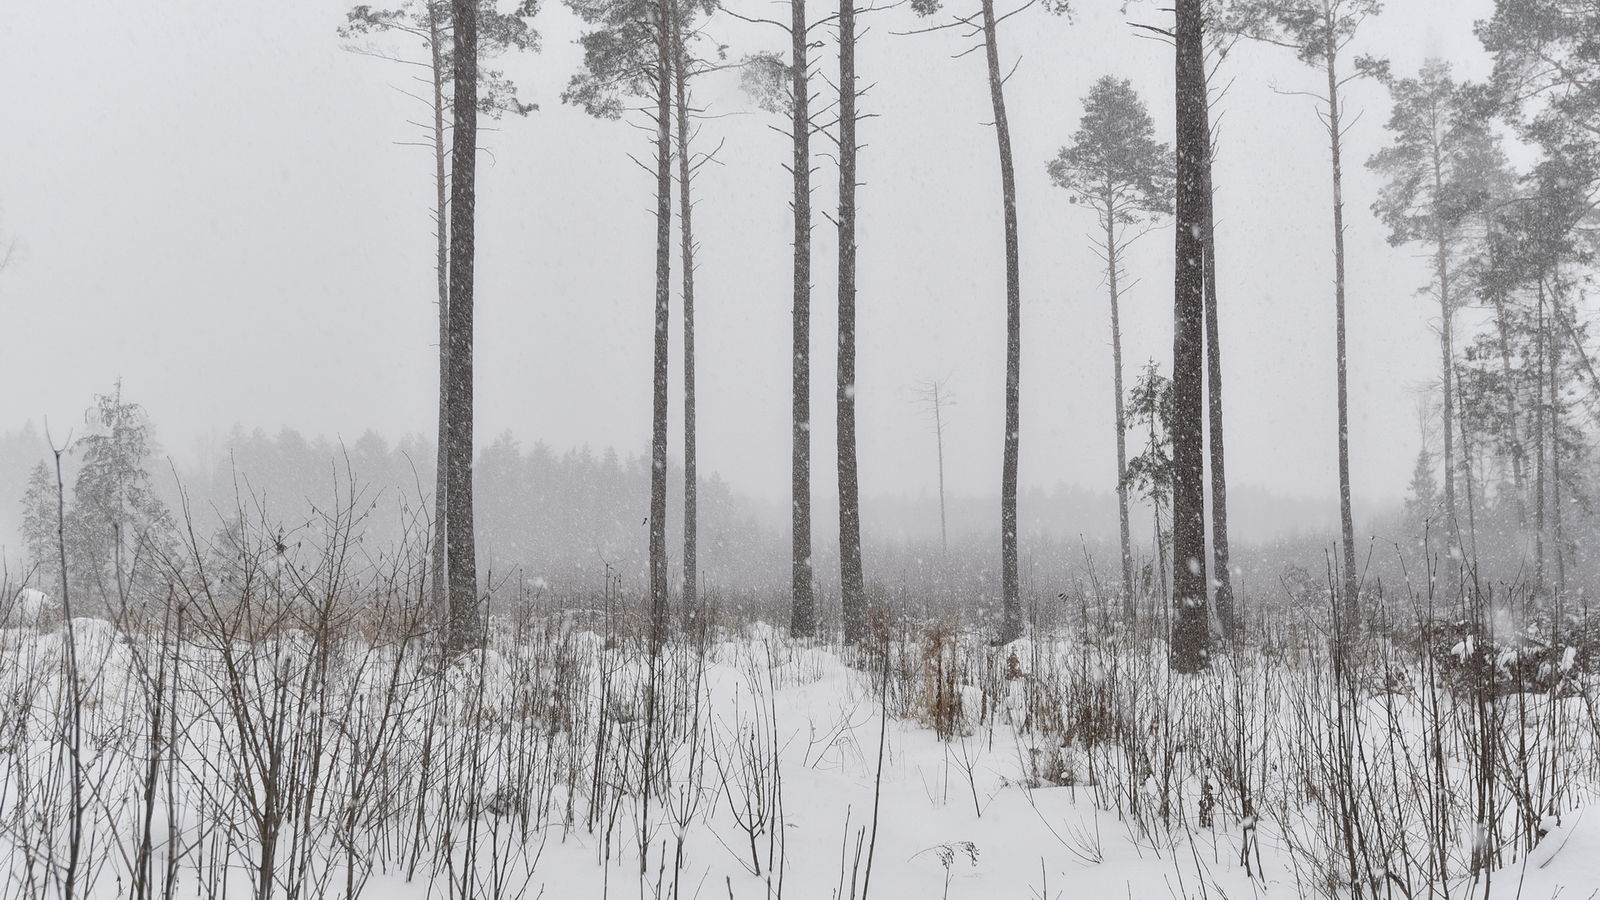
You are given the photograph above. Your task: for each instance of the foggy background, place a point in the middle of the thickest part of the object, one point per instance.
(210, 201)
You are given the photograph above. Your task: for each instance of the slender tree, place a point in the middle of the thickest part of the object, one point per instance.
(441, 270)
(852, 578)
(1149, 473)
(461, 563)
(685, 67)
(628, 54)
(1010, 586)
(428, 22)
(984, 24)
(803, 620)
(691, 488)
(1554, 402)
(1219, 43)
(1440, 172)
(935, 398)
(1191, 630)
(785, 87)
(1117, 168)
(1320, 33)
(663, 314)
(39, 528)
(781, 86)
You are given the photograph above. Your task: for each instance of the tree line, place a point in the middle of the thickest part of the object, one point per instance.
(564, 520)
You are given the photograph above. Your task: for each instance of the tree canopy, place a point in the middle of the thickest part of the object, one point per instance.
(498, 33)
(1445, 166)
(1114, 163)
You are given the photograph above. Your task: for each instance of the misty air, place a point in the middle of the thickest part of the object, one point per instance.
(810, 449)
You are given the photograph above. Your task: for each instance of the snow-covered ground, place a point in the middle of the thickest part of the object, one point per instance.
(271, 762)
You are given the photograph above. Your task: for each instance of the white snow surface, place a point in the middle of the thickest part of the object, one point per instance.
(788, 734)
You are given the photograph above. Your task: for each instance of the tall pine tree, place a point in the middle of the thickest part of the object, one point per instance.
(1117, 168)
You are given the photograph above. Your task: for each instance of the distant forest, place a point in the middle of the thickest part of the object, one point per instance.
(566, 520)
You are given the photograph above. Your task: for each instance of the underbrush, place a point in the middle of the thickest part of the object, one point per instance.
(265, 723)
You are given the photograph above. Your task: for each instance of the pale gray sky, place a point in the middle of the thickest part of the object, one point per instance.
(208, 201)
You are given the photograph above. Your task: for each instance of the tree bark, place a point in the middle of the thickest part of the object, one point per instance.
(1441, 263)
(1539, 410)
(461, 564)
(1557, 532)
(658, 419)
(1130, 605)
(441, 186)
(1347, 528)
(1467, 482)
(1191, 631)
(852, 580)
(803, 621)
(691, 488)
(1010, 586)
(1221, 576)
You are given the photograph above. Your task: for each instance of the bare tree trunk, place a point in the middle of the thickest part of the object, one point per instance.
(1010, 586)
(1129, 604)
(1191, 631)
(441, 186)
(1221, 577)
(938, 436)
(932, 394)
(1467, 484)
(465, 624)
(1540, 344)
(852, 580)
(691, 488)
(1347, 527)
(663, 321)
(803, 621)
(1557, 536)
(1441, 263)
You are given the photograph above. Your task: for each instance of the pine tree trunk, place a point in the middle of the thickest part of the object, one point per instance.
(663, 321)
(1010, 586)
(461, 564)
(1557, 536)
(691, 488)
(1129, 603)
(441, 185)
(803, 621)
(1191, 631)
(852, 580)
(1221, 575)
(1467, 482)
(1347, 528)
(1540, 341)
(1448, 411)
(1441, 263)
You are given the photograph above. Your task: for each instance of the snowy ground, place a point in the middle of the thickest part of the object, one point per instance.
(210, 764)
